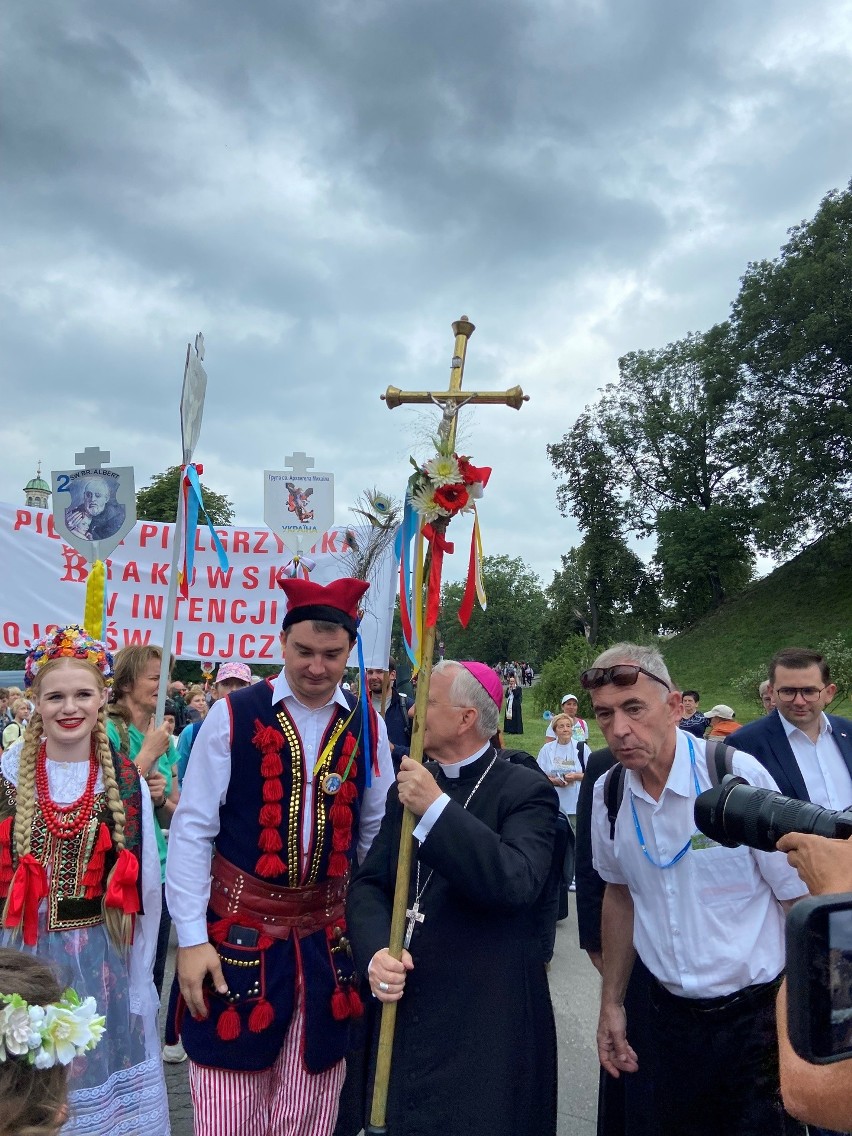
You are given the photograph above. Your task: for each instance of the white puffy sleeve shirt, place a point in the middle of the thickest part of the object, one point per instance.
(195, 824)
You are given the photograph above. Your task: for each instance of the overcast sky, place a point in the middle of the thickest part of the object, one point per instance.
(323, 187)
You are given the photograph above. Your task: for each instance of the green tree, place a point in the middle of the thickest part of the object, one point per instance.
(792, 323)
(603, 588)
(510, 626)
(159, 500)
(561, 675)
(669, 429)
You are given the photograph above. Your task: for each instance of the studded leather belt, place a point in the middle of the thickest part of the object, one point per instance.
(282, 911)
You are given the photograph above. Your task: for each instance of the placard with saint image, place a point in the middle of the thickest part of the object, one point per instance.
(94, 509)
(298, 506)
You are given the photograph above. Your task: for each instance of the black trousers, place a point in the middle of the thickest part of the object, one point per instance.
(717, 1065)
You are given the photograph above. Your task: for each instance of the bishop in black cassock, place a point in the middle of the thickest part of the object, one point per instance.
(475, 1043)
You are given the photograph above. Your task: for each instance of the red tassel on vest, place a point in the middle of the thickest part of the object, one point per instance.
(229, 1027)
(261, 1017)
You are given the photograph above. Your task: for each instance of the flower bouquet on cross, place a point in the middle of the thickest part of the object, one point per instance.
(439, 489)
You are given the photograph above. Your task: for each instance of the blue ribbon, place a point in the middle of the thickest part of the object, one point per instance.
(195, 502)
(366, 732)
(405, 537)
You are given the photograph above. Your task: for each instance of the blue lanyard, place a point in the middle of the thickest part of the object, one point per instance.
(638, 827)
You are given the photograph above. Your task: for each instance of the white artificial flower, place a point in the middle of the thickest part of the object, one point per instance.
(16, 1031)
(65, 1033)
(443, 470)
(423, 503)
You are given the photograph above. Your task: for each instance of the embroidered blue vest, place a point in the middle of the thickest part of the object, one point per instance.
(269, 776)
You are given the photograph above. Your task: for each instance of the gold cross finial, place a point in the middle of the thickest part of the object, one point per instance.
(452, 400)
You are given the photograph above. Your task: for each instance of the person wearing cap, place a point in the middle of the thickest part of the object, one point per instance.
(475, 1045)
(580, 730)
(230, 676)
(722, 721)
(265, 988)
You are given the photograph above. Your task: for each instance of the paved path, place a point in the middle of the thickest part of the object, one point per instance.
(574, 985)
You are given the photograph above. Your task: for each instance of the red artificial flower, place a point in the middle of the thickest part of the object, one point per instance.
(472, 474)
(451, 497)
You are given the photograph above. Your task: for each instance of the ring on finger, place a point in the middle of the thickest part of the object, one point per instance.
(383, 986)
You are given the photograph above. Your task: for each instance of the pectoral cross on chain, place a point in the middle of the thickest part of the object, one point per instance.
(413, 915)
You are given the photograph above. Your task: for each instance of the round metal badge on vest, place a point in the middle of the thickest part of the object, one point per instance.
(331, 783)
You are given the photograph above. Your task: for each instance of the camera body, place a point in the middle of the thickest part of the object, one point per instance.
(819, 978)
(819, 929)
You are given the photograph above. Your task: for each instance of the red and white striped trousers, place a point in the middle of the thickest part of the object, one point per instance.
(285, 1100)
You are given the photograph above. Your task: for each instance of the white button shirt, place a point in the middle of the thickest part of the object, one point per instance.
(711, 924)
(821, 764)
(195, 823)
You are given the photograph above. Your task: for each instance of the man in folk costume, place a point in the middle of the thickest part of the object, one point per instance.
(286, 783)
(475, 1042)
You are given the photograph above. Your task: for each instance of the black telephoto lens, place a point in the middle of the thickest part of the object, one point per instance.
(738, 813)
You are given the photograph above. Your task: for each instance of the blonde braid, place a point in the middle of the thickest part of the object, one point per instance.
(25, 790)
(25, 794)
(119, 925)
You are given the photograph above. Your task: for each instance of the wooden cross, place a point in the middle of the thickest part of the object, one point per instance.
(452, 400)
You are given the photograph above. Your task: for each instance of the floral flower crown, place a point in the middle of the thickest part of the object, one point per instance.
(50, 1035)
(72, 642)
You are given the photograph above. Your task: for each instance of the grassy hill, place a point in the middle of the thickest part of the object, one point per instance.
(805, 601)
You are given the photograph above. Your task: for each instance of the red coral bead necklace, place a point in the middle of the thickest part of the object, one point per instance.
(65, 821)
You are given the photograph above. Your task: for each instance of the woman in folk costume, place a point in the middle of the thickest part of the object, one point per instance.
(80, 880)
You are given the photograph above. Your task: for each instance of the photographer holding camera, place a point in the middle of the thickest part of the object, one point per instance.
(817, 1094)
(814, 1008)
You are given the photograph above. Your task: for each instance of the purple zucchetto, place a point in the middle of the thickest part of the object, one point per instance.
(487, 679)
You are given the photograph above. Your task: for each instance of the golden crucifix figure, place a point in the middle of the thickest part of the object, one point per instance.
(449, 402)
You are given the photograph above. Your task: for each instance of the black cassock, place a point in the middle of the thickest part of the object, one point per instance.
(515, 724)
(475, 1043)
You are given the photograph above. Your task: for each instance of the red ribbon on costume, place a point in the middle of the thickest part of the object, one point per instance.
(29, 887)
(121, 890)
(439, 545)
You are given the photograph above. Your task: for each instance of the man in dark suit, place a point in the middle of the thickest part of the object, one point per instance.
(808, 752)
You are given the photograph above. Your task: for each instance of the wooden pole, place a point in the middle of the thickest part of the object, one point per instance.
(463, 330)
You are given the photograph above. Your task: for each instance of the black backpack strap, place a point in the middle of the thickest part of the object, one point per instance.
(581, 748)
(613, 795)
(720, 760)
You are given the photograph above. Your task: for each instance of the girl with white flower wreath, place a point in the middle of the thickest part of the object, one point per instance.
(42, 1030)
(80, 886)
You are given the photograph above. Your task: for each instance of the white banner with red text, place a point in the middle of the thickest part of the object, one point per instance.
(233, 614)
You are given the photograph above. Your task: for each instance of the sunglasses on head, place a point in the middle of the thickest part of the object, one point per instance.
(622, 674)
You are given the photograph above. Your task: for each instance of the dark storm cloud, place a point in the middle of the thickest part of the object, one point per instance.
(324, 186)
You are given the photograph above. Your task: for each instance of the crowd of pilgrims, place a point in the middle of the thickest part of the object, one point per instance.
(85, 807)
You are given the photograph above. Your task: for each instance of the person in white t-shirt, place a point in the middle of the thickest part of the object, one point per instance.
(579, 727)
(563, 762)
(560, 761)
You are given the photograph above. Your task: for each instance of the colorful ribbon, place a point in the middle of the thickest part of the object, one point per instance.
(192, 502)
(298, 566)
(474, 583)
(370, 747)
(122, 891)
(405, 540)
(29, 888)
(439, 545)
(94, 611)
